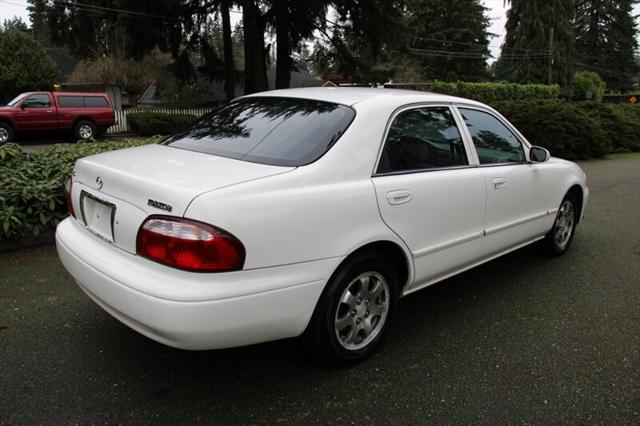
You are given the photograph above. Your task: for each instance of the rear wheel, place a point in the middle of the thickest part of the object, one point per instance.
(558, 240)
(6, 133)
(355, 310)
(85, 130)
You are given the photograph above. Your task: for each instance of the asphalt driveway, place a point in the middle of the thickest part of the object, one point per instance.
(520, 340)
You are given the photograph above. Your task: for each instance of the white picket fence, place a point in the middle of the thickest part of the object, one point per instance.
(122, 126)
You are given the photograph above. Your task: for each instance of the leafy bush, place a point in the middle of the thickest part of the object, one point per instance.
(24, 66)
(490, 93)
(32, 184)
(576, 130)
(156, 123)
(586, 85)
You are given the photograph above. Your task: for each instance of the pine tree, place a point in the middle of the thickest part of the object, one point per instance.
(525, 53)
(606, 40)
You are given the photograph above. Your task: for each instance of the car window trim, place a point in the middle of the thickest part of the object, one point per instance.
(412, 106)
(526, 146)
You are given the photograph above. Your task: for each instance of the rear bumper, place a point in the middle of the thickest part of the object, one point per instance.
(189, 310)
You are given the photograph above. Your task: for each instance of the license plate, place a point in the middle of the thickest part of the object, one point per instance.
(98, 215)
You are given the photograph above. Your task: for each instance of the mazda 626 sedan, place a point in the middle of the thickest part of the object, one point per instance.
(308, 211)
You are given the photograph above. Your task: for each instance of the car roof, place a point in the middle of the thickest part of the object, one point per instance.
(360, 95)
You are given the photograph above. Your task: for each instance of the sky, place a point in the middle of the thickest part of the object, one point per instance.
(496, 11)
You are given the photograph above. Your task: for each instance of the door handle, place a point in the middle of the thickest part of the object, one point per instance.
(499, 183)
(399, 197)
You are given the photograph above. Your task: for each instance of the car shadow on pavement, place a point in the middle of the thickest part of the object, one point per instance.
(427, 326)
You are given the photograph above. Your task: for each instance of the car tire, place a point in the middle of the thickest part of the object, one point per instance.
(355, 309)
(6, 133)
(559, 238)
(85, 130)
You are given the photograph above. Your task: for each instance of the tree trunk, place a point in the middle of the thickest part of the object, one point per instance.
(283, 43)
(255, 67)
(229, 66)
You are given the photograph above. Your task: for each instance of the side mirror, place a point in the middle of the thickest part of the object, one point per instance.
(538, 154)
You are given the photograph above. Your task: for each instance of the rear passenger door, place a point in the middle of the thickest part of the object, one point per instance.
(428, 191)
(515, 211)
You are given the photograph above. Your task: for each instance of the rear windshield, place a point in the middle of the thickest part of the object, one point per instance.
(268, 130)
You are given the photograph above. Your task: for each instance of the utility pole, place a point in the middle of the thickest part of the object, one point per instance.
(550, 65)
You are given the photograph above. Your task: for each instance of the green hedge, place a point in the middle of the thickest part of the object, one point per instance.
(156, 123)
(491, 93)
(32, 184)
(575, 130)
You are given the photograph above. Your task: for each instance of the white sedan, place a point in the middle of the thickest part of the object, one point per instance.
(308, 211)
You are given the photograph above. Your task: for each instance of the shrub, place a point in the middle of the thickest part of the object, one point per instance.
(156, 123)
(32, 184)
(24, 66)
(621, 123)
(490, 93)
(586, 85)
(563, 127)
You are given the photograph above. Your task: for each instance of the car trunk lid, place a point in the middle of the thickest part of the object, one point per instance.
(153, 179)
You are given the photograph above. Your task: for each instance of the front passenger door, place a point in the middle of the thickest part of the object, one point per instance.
(429, 193)
(515, 211)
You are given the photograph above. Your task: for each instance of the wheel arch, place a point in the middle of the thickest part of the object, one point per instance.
(399, 257)
(577, 190)
(8, 121)
(84, 118)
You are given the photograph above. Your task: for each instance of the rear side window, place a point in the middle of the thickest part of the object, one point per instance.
(423, 138)
(494, 142)
(268, 130)
(71, 101)
(95, 102)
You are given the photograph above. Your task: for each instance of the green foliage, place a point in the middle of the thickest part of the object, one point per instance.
(606, 40)
(450, 39)
(620, 122)
(586, 85)
(491, 93)
(32, 184)
(24, 65)
(156, 123)
(575, 130)
(524, 56)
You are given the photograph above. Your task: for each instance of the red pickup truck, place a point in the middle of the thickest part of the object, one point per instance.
(86, 114)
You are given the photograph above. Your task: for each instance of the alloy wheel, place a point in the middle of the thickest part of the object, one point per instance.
(362, 310)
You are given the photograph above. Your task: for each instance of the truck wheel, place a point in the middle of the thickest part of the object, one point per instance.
(85, 130)
(6, 133)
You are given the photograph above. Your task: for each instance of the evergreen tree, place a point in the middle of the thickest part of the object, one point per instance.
(525, 53)
(606, 40)
(459, 27)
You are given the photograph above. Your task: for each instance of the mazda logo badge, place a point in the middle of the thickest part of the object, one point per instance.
(99, 182)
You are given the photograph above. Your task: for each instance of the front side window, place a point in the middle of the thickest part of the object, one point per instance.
(268, 130)
(423, 138)
(37, 101)
(493, 141)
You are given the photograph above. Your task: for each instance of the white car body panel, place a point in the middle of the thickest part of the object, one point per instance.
(298, 224)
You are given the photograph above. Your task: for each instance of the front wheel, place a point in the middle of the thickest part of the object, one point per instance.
(6, 133)
(85, 130)
(355, 309)
(558, 240)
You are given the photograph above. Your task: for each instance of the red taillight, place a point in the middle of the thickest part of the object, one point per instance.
(68, 186)
(189, 245)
